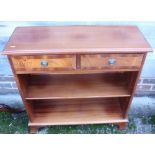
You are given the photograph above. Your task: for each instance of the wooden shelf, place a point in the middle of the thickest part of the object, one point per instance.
(80, 71)
(77, 74)
(76, 86)
(71, 112)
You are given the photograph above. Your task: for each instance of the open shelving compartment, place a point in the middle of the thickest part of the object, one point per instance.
(77, 99)
(80, 111)
(77, 86)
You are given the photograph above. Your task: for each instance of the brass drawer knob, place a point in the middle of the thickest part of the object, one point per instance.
(44, 63)
(111, 61)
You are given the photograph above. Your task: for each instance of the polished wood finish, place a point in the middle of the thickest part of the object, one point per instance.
(76, 63)
(134, 84)
(77, 86)
(77, 74)
(122, 125)
(101, 61)
(77, 71)
(21, 84)
(76, 39)
(84, 112)
(34, 129)
(33, 63)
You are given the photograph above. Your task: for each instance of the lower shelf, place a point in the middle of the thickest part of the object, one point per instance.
(85, 112)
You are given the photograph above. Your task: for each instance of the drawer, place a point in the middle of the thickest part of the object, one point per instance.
(111, 61)
(43, 63)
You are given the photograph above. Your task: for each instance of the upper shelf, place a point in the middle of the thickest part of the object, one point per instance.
(76, 39)
(76, 86)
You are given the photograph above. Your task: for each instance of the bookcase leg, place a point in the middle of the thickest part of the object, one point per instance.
(33, 129)
(121, 125)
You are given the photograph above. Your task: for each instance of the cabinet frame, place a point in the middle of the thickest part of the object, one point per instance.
(90, 100)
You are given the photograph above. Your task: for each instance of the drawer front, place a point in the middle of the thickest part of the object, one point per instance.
(111, 61)
(44, 63)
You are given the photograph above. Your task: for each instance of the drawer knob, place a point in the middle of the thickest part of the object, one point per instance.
(44, 63)
(111, 61)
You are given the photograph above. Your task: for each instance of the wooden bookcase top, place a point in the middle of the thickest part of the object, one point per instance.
(76, 39)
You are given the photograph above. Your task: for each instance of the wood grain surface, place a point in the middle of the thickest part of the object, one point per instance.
(76, 39)
(84, 112)
(101, 61)
(77, 86)
(33, 63)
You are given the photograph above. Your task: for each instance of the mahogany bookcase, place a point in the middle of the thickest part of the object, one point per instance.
(69, 75)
